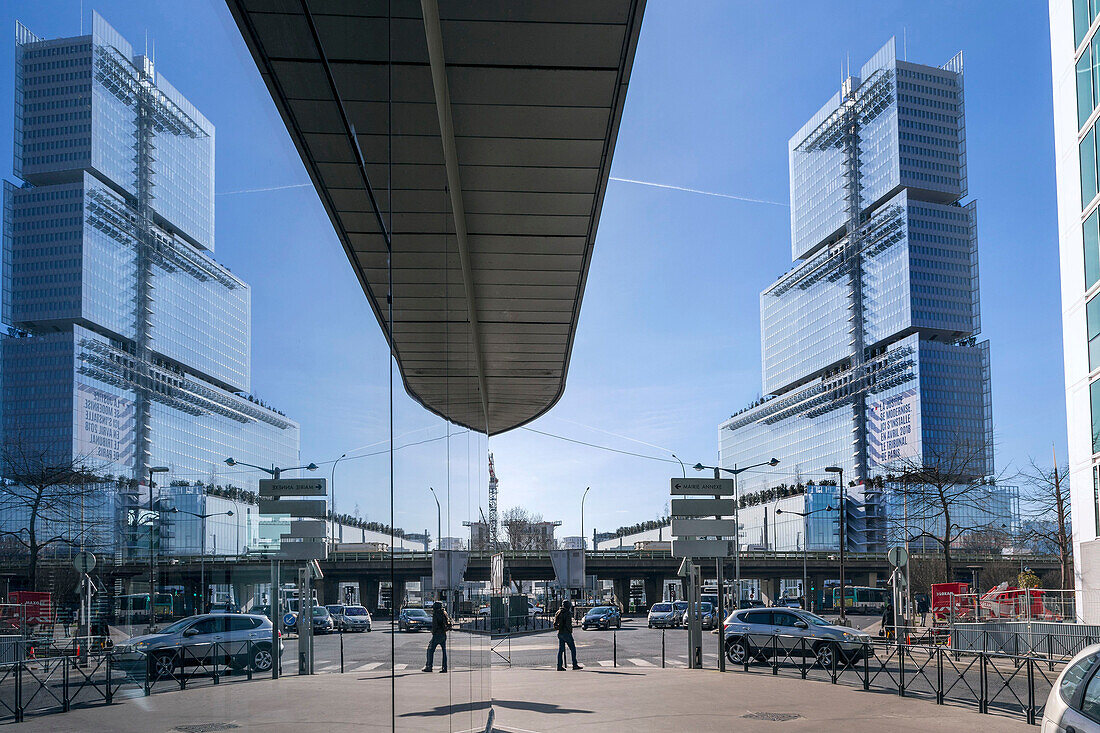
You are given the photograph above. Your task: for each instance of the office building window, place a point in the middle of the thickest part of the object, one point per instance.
(1084, 12)
(1088, 167)
(1090, 234)
(1094, 396)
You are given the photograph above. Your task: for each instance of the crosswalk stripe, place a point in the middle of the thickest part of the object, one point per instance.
(367, 667)
(605, 663)
(328, 668)
(399, 667)
(642, 662)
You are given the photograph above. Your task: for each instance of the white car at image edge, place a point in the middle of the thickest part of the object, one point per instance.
(1073, 705)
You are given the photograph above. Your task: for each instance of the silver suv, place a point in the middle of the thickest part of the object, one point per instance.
(238, 641)
(758, 633)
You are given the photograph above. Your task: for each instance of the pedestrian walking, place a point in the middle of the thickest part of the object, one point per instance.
(441, 624)
(563, 622)
(922, 608)
(888, 620)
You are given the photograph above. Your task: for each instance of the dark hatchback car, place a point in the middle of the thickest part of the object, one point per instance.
(603, 617)
(414, 619)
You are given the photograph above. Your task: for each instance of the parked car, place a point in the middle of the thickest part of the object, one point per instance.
(680, 607)
(350, 618)
(243, 641)
(758, 633)
(709, 616)
(414, 619)
(791, 602)
(752, 603)
(662, 615)
(603, 617)
(1074, 700)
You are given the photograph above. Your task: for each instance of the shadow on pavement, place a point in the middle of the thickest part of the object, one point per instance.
(535, 707)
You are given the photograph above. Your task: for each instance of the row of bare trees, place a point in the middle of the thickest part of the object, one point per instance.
(944, 499)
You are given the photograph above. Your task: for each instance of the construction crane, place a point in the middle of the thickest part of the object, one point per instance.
(492, 505)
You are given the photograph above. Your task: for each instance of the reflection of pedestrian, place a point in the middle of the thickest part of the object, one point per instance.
(922, 608)
(563, 622)
(441, 624)
(887, 619)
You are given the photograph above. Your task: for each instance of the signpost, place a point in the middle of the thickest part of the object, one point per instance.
(899, 581)
(282, 497)
(84, 563)
(694, 537)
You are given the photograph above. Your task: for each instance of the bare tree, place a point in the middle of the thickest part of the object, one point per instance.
(945, 496)
(40, 500)
(524, 530)
(1047, 494)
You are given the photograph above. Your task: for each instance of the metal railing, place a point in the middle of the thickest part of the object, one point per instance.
(59, 678)
(990, 682)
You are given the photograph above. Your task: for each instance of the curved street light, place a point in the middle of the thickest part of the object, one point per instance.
(202, 550)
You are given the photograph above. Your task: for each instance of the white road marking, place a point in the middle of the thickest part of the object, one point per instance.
(399, 667)
(642, 662)
(605, 663)
(367, 667)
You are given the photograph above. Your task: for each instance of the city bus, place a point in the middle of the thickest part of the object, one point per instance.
(134, 608)
(861, 599)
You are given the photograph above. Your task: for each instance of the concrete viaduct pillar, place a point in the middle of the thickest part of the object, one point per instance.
(652, 589)
(622, 592)
(368, 594)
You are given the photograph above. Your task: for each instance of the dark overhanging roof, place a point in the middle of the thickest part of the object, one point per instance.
(504, 120)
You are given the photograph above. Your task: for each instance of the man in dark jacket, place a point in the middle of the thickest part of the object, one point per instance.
(441, 624)
(563, 623)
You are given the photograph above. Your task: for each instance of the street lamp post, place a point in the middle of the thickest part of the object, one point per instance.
(805, 549)
(843, 536)
(152, 553)
(585, 494)
(438, 520)
(735, 472)
(332, 494)
(275, 473)
(202, 556)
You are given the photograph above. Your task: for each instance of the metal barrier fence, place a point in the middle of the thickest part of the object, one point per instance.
(1047, 640)
(56, 682)
(991, 682)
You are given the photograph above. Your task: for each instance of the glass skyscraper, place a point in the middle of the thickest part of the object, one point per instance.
(128, 346)
(870, 355)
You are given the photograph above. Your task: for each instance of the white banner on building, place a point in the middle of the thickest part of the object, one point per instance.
(893, 428)
(104, 425)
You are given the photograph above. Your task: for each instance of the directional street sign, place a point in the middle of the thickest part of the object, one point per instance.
(702, 507)
(703, 527)
(302, 508)
(702, 548)
(702, 486)
(278, 487)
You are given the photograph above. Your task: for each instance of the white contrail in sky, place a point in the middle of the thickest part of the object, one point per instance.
(651, 184)
(262, 190)
(696, 190)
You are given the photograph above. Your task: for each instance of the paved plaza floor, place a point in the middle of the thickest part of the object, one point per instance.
(637, 699)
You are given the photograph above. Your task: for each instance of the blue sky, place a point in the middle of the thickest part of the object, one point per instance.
(668, 342)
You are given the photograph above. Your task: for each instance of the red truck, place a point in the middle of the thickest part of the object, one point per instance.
(950, 600)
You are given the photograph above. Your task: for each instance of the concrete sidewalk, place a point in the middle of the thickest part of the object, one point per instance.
(540, 700)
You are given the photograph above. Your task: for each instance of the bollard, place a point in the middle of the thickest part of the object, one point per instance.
(1050, 652)
(867, 666)
(65, 684)
(939, 676)
(251, 657)
(341, 650)
(662, 648)
(775, 654)
(901, 669)
(110, 696)
(19, 691)
(217, 679)
(614, 649)
(1030, 691)
(982, 683)
(802, 651)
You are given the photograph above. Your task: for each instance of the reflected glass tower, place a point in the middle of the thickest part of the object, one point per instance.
(870, 350)
(128, 346)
